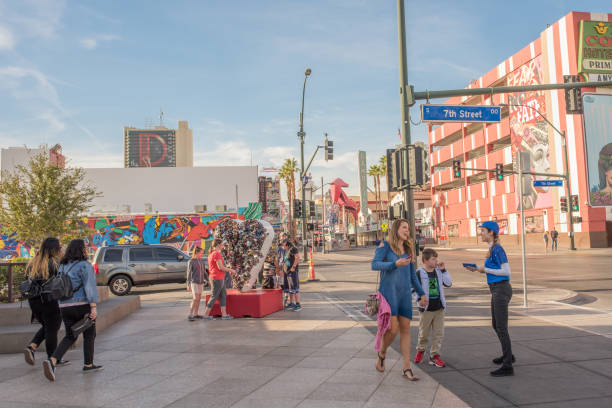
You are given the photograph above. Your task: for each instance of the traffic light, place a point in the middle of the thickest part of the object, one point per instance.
(311, 208)
(297, 208)
(499, 172)
(329, 149)
(575, 204)
(456, 169)
(563, 204)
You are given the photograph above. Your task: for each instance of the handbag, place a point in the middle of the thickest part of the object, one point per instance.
(82, 325)
(372, 303)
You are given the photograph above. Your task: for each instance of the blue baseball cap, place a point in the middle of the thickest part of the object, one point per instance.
(491, 225)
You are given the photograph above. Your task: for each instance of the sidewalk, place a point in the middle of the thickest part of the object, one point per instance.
(318, 357)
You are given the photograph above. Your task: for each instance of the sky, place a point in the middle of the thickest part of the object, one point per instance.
(75, 72)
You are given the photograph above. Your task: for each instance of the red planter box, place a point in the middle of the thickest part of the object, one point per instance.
(255, 303)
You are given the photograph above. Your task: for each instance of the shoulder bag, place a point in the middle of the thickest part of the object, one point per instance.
(372, 303)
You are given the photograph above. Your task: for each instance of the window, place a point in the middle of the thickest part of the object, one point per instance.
(166, 254)
(141, 254)
(421, 206)
(113, 255)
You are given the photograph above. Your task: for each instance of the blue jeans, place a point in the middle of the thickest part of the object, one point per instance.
(554, 244)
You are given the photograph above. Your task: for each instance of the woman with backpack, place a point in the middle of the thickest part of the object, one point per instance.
(40, 270)
(80, 305)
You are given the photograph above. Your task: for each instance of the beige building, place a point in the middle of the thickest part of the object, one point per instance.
(158, 146)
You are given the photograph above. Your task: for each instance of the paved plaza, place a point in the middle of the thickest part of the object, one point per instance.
(323, 355)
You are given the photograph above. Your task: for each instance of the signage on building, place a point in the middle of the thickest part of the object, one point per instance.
(597, 125)
(573, 96)
(460, 113)
(595, 50)
(363, 183)
(151, 148)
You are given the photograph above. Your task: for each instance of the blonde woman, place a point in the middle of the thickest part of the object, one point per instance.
(394, 260)
(41, 269)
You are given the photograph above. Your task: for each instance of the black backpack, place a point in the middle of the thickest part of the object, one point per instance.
(60, 287)
(30, 289)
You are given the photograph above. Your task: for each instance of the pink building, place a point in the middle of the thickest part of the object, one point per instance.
(577, 47)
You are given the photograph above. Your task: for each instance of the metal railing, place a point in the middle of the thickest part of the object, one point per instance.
(11, 276)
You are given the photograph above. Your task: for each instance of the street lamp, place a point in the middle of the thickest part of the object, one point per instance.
(301, 134)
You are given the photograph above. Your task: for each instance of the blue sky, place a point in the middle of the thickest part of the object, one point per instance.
(76, 72)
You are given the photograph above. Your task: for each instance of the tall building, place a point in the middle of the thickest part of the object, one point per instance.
(158, 147)
(575, 48)
(11, 157)
(270, 198)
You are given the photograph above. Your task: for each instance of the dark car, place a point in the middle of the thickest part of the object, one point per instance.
(123, 266)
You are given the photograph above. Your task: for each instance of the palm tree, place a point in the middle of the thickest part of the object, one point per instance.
(287, 173)
(374, 172)
(383, 165)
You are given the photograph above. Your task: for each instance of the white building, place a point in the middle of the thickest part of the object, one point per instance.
(173, 189)
(11, 157)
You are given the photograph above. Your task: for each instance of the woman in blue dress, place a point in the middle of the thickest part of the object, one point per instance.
(397, 278)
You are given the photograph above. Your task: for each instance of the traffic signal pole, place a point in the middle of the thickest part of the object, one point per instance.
(405, 93)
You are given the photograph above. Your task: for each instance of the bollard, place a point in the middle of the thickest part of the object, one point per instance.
(311, 269)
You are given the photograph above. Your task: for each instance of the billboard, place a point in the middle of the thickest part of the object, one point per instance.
(150, 148)
(529, 136)
(598, 137)
(595, 50)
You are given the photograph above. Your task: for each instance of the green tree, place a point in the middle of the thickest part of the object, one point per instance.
(40, 200)
(287, 173)
(383, 167)
(375, 171)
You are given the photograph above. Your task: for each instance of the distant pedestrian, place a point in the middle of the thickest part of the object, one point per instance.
(498, 277)
(397, 278)
(290, 269)
(433, 277)
(82, 303)
(545, 238)
(196, 276)
(554, 235)
(40, 270)
(217, 271)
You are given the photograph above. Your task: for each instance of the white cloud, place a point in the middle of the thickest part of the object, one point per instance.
(239, 153)
(34, 18)
(91, 159)
(7, 41)
(91, 43)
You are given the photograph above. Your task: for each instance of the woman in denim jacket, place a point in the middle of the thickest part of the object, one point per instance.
(81, 304)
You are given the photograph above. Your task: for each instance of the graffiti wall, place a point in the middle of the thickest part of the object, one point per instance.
(183, 231)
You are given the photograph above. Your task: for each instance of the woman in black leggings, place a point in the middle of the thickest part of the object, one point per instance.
(41, 269)
(82, 303)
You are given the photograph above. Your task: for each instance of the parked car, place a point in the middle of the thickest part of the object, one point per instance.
(123, 266)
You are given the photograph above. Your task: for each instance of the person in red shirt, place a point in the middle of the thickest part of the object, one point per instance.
(217, 271)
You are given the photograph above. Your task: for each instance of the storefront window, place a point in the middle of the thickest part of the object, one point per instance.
(598, 136)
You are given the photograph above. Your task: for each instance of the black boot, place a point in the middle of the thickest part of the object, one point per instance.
(503, 372)
(500, 360)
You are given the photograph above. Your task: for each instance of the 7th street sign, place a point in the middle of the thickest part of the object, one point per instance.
(548, 183)
(460, 113)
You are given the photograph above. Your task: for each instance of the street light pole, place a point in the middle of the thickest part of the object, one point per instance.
(404, 91)
(301, 135)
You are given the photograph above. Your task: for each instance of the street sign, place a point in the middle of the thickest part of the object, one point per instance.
(548, 183)
(460, 113)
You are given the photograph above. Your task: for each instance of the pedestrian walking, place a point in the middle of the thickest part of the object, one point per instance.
(545, 237)
(290, 268)
(196, 276)
(497, 270)
(83, 303)
(398, 276)
(217, 271)
(433, 278)
(554, 235)
(40, 270)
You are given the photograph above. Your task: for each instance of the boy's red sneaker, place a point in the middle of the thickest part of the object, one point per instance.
(436, 361)
(419, 356)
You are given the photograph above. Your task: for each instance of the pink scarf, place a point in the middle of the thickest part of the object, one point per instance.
(383, 319)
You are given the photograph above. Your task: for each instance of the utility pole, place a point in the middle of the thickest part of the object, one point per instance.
(301, 135)
(519, 161)
(323, 215)
(568, 191)
(405, 105)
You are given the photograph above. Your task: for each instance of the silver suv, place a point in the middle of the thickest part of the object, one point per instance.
(123, 266)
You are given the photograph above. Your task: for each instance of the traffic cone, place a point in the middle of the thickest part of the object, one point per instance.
(311, 269)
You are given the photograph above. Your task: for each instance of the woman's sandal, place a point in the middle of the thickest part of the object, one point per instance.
(381, 361)
(410, 377)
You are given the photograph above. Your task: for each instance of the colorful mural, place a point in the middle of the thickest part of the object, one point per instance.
(183, 231)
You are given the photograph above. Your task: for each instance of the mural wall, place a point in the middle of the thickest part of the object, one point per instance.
(183, 231)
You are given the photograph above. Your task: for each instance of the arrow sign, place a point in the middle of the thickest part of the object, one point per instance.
(460, 113)
(548, 183)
